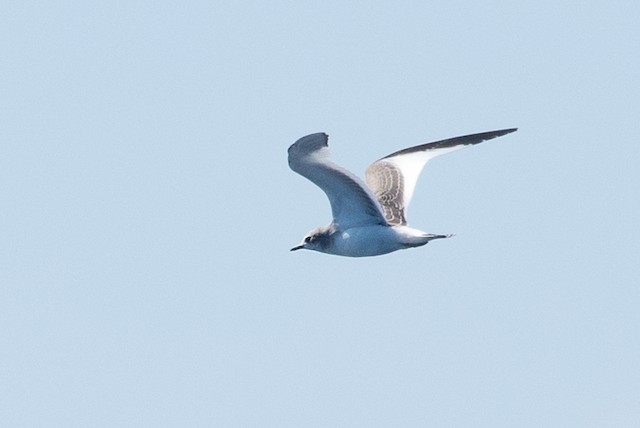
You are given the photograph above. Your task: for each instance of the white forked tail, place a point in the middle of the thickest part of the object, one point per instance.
(415, 238)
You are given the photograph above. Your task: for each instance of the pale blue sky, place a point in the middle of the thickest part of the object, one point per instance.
(147, 210)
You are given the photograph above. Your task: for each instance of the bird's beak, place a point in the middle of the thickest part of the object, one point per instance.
(297, 247)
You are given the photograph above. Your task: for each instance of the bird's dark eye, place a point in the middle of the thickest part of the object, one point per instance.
(307, 239)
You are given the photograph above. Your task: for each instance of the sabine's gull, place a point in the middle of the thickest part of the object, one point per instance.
(370, 219)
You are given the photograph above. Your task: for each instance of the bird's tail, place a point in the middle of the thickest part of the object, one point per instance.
(416, 238)
(431, 236)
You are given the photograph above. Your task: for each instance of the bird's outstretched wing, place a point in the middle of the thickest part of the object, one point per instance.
(393, 178)
(352, 203)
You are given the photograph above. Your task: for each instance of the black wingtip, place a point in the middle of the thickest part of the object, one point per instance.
(456, 141)
(482, 136)
(505, 131)
(310, 143)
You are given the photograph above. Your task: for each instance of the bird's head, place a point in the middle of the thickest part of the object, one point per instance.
(317, 240)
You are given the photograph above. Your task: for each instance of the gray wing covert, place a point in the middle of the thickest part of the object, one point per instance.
(387, 183)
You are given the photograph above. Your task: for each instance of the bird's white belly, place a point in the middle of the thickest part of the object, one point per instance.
(366, 241)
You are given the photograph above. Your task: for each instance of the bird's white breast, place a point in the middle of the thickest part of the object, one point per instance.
(365, 241)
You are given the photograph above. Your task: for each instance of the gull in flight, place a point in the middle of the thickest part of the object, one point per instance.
(370, 219)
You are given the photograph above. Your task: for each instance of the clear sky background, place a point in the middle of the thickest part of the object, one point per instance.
(147, 210)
